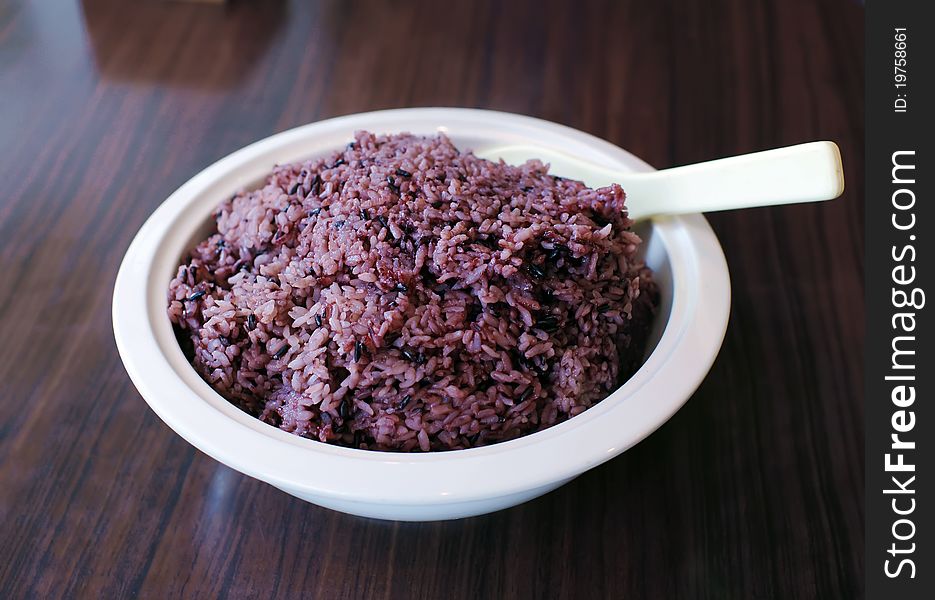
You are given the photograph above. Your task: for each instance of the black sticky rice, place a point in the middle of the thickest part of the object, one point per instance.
(402, 295)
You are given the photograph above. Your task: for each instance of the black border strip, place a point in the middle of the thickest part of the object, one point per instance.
(900, 225)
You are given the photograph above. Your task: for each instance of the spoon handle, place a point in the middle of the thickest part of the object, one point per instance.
(802, 173)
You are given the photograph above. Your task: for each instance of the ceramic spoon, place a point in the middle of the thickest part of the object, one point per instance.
(804, 173)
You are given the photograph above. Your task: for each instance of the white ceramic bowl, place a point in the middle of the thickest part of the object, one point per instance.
(683, 251)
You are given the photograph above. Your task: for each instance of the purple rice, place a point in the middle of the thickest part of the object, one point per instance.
(493, 301)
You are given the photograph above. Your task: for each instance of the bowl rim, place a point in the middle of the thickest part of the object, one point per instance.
(188, 405)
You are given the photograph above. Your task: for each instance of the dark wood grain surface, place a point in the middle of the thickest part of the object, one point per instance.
(753, 490)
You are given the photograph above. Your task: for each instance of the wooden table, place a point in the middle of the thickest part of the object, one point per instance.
(753, 490)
